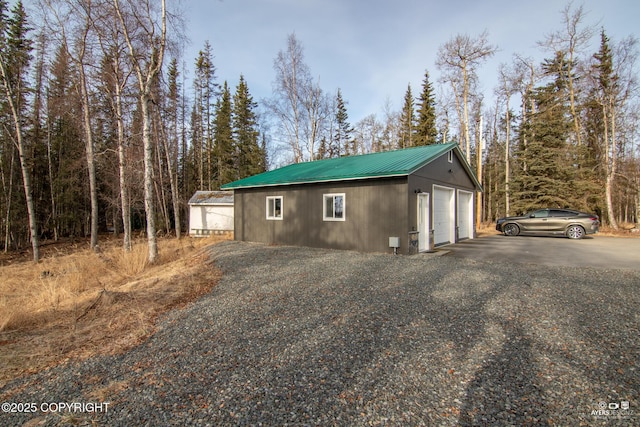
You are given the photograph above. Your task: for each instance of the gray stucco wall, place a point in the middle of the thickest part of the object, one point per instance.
(375, 210)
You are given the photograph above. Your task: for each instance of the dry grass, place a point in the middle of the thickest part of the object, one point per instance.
(76, 303)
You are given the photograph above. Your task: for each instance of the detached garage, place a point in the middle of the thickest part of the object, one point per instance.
(408, 201)
(210, 212)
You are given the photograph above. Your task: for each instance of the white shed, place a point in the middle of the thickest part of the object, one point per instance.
(210, 212)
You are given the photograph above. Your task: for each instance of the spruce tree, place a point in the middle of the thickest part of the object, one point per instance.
(547, 180)
(223, 140)
(206, 92)
(407, 121)
(66, 145)
(604, 96)
(426, 131)
(250, 159)
(342, 139)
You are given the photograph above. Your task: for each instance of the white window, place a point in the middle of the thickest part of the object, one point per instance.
(450, 157)
(274, 207)
(333, 207)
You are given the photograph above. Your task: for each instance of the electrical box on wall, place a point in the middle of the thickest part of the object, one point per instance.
(394, 242)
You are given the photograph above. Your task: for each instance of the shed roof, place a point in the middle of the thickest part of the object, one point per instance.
(212, 198)
(374, 165)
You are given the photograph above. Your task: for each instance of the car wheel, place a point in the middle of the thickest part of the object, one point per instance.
(511, 230)
(575, 232)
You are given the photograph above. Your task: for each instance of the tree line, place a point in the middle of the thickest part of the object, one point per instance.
(560, 133)
(102, 132)
(98, 133)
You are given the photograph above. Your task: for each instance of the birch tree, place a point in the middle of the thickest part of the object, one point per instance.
(116, 79)
(459, 59)
(571, 40)
(510, 79)
(15, 56)
(299, 104)
(145, 34)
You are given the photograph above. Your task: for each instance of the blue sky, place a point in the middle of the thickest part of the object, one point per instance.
(372, 49)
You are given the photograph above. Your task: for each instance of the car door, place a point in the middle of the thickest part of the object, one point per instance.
(558, 219)
(536, 221)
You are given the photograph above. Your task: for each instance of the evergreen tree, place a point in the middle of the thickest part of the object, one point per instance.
(426, 130)
(206, 92)
(604, 95)
(343, 142)
(225, 153)
(323, 149)
(547, 177)
(250, 159)
(172, 143)
(407, 121)
(66, 146)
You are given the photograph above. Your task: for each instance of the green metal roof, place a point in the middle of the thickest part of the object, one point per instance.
(374, 165)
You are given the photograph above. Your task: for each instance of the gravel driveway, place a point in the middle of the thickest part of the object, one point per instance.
(298, 336)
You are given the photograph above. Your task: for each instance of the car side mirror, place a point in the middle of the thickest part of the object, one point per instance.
(532, 216)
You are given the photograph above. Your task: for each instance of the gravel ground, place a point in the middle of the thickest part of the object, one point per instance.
(298, 336)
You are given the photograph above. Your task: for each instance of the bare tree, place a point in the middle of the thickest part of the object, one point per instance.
(526, 67)
(368, 134)
(146, 52)
(459, 59)
(511, 79)
(298, 102)
(114, 49)
(571, 40)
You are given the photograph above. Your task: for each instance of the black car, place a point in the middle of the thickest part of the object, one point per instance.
(566, 222)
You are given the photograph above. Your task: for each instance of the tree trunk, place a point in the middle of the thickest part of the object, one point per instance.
(124, 190)
(479, 173)
(91, 165)
(149, 204)
(173, 179)
(637, 224)
(54, 216)
(507, 146)
(465, 111)
(26, 176)
(8, 192)
(159, 182)
(145, 81)
(611, 165)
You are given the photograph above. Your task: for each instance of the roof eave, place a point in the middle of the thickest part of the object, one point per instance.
(317, 181)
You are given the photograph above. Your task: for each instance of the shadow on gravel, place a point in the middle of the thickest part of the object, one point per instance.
(504, 391)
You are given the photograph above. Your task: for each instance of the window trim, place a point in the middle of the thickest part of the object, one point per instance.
(333, 197)
(450, 156)
(275, 217)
